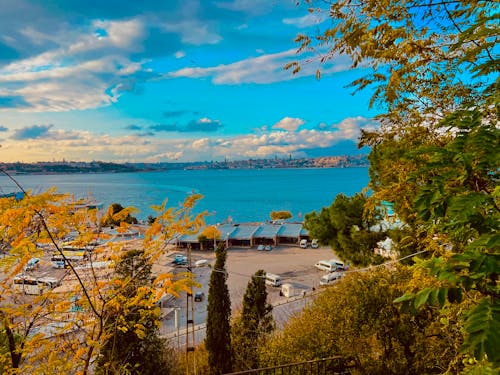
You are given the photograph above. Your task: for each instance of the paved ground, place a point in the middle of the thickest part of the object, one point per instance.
(293, 264)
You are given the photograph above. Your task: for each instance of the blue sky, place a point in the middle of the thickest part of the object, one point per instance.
(160, 81)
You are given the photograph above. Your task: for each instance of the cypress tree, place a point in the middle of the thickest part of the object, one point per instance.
(218, 338)
(252, 328)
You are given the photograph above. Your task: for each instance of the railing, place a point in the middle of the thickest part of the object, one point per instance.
(323, 366)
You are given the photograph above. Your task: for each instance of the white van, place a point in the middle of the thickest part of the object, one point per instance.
(273, 280)
(329, 265)
(303, 243)
(314, 244)
(329, 278)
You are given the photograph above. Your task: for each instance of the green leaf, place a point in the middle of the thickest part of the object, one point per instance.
(405, 297)
(421, 297)
(482, 326)
(443, 293)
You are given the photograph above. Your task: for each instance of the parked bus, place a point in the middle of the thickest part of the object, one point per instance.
(34, 286)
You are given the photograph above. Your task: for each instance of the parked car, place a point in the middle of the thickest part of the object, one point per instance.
(314, 244)
(180, 259)
(260, 247)
(199, 296)
(32, 264)
(268, 248)
(303, 243)
(201, 263)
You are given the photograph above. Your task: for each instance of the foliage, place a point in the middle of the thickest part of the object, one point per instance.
(434, 67)
(414, 54)
(117, 214)
(280, 215)
(218, 338)
(356, 319)
(62, 330)
(132, 340)
(459, 202)
(346, 228)
(251, 330)
(209, 236)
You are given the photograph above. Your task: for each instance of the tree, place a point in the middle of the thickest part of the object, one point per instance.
(218, 338)
(209, 236)
(117, 214)
(435, 69)
(356, 320)
(347, 229)
(420, 58)
(280, 215)
(251, 330)
(136, 351)
(76, 315)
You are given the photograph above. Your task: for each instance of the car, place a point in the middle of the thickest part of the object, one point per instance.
(198, 296)
(180, 259)
(260, 247)
(32, 264)
(201, 263)
(268, 248)
(314, 244)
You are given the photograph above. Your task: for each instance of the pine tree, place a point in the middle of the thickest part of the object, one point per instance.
(252, 328)
(218, 339)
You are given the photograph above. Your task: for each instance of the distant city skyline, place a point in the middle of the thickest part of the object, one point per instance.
(173, 81)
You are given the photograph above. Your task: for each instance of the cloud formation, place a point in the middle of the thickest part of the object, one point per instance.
(263, 69)
(32, 132)
(49, 143)
(288, 123)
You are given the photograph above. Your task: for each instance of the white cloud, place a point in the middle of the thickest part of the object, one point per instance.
(87, 69)
(193, 31)
(179, 54)
(310, 19)
(73, 144)
(288, 123)
(261, 69)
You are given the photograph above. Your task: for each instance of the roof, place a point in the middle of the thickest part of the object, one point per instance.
(267, 230)
(291, 230)
(247, 231)
(243, 232)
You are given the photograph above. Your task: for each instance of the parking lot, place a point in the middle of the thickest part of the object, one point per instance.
(294, 264)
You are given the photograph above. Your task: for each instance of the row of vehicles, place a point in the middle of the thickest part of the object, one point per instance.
(35, 285)
(304, 244)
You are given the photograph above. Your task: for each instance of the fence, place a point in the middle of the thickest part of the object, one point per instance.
(324, 366)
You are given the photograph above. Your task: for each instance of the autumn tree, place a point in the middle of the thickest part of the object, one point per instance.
(209, 236)
(76, 313)
(218, 338)
(117, 214)
(280, 215)
(252, 328)
(126, 348)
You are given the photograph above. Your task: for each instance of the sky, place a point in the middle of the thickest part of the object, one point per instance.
(170, 81)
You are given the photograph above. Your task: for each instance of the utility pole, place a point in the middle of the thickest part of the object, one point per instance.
(190, 344)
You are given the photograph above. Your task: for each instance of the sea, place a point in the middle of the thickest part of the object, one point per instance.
(229, 195)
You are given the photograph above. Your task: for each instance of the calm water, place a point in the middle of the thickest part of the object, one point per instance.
(245, 195)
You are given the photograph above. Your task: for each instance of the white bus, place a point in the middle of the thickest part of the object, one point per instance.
(34, 286)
